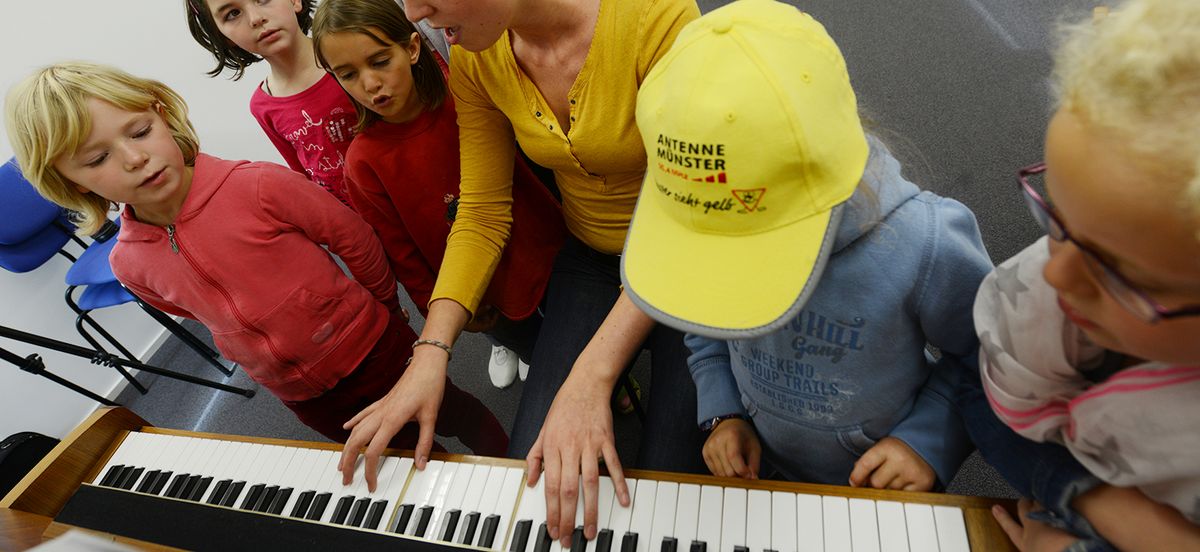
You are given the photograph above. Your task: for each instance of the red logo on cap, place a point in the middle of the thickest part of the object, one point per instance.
(719, 177)
(749, 198)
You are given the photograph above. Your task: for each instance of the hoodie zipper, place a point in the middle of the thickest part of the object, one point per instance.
(228, 300)
(171, 238)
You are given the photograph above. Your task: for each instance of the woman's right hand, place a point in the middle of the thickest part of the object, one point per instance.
(416, 396)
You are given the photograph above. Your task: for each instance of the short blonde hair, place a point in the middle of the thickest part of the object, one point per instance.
(47, 117)
(1135, 74)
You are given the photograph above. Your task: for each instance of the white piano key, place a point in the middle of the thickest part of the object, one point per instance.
(321, 477)
(758, 520)
(454, 498)
(230, 456)
(893, 536)
(534, 499)
(733, 521)
(128, 449)
(155, 448)
(440, 492)
(383, 478)
(505, 504)
(330, 481)
(475, 488)
(312, 468)
(665, 498)
(642, 518)
(295, 478)
(606, 496)
(922, 530)
(951, 529)
(810, 523)
(420, 491)
(620, 516)
(712, 504)
(864, 530)
(393, 491)
(783, 521)
(836, 515)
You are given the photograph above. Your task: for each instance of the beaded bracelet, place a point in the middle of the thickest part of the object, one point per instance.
(435, 343)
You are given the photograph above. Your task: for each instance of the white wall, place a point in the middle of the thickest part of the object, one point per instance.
(148, 38)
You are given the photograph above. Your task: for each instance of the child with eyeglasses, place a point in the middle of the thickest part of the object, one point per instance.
(1089, 337)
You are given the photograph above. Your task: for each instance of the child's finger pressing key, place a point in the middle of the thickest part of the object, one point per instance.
(892, 464)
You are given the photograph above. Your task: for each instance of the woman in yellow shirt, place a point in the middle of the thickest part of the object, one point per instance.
(561, 77)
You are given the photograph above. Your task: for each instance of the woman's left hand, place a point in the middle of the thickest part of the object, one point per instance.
(578, 431)
(1031, 535)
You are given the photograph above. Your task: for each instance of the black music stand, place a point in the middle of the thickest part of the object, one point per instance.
(34, 365)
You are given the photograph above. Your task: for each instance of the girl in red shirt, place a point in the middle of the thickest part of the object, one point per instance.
(402, 168)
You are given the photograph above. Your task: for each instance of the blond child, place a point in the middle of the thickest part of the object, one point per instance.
(238, 246)
(1089, 336)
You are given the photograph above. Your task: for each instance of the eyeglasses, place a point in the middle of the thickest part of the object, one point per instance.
(1126, 294)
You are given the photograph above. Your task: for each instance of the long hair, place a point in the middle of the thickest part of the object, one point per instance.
(228, 55)
(386, 17)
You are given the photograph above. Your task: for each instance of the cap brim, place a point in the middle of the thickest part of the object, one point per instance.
(720, 286)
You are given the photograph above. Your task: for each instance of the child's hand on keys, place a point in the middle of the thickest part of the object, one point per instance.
(892, 464)
(733, 450)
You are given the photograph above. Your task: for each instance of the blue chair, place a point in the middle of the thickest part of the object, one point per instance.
(33, 230)
(102, 289)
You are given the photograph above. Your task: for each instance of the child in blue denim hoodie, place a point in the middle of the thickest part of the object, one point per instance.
(827, 299)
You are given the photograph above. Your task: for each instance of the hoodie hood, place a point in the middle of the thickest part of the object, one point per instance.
(208, 175)
(883, 180)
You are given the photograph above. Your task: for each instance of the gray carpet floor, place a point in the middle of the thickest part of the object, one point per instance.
(959, 88)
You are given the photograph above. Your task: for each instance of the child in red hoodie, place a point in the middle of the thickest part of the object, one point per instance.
(233, 244)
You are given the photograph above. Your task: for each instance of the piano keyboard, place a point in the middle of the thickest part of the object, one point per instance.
(488, 506)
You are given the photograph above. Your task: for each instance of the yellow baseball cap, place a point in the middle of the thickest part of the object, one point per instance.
(753, 142)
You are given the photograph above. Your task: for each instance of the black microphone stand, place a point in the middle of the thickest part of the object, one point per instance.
(34, 365)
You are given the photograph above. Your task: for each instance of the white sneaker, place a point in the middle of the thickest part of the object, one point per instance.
(502, 367)
(522, 370)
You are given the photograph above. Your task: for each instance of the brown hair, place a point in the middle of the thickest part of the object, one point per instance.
(386, 16)
(204, 30)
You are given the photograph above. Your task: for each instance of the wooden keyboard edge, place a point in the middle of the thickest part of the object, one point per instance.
(48, 486)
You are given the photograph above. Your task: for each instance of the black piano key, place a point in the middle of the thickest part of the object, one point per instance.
(543, 542)
(235, 490)
(252, 496)
(132, 479)
(318, 506)
(629, 542)
(469, 525)
(375, 515)
(121, 477)
(219, 491)
(578, 543)
(148, 481)
(520, 535)
(699, 546)
(487, 533)
(404, 517)
(177, 485)
(280, 501)
(449, 524)
(740, 548)
(268, 496)
(669, 544)
(302, 503)
(342, 509)
(423, 516)
(201, 486)
(111, 476)
(189, 486)
(159, 483)
(358, 512)
(604, 540)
